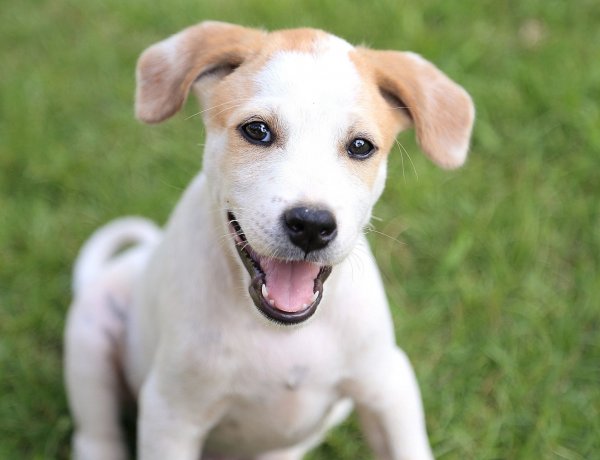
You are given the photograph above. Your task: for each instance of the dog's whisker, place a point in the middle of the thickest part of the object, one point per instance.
(235, 103)
(377, 232)
(228, 108)
(356, 266)
(351, 258)
(409, 158)
(401, 160)
(411, 162)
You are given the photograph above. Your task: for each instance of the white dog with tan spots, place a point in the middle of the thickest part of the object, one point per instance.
(257, 319)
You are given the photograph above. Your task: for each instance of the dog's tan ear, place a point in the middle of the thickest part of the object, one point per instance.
(167, 69)
(442, 111)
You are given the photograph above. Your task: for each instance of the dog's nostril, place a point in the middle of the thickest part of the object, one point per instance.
(296, 228)
(310, 229)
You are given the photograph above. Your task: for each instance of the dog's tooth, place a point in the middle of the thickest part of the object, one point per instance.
(315, 296)
(265, 291)
(271, 301)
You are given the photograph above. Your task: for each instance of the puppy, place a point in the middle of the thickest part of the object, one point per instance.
(257, 319)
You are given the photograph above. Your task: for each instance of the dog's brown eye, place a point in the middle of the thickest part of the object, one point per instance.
(360, 149)
(257, 132)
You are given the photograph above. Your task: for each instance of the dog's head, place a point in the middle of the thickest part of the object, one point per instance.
(299, 126)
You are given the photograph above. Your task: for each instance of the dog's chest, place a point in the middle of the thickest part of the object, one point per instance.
(282, 389)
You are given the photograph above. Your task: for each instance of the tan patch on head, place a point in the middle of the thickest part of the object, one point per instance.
(224, 99)
(381, 121)
(298, 40)
(237, 88)
(381, 124)
(390, 119)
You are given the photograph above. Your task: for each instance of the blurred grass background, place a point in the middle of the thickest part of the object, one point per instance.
(492, 270)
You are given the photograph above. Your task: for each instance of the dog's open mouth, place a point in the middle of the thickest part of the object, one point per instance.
(287, 292)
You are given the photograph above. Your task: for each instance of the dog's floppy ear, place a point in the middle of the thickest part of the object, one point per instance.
(167, 69)
(441, 110)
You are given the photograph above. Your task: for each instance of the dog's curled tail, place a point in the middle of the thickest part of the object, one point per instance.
(107, 241)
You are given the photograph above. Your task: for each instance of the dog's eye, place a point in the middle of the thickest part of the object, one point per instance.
(360, 149)
(257, 132)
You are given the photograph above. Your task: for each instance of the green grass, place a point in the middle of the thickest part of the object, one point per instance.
(492, 270)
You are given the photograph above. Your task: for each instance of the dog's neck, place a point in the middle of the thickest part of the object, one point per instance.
(198, 210)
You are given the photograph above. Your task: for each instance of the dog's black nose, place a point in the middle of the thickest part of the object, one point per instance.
(310, 229)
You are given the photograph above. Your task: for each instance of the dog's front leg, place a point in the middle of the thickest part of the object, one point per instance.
(389, 406)
(171, 426)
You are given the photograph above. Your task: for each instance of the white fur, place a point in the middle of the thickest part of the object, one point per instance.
(213, 376)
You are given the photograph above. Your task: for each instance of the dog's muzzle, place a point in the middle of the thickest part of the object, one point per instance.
(285, 291)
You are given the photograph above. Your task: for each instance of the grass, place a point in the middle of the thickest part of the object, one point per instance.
(492, 271)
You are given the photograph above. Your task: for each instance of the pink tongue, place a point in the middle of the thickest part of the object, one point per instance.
(290, 284)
